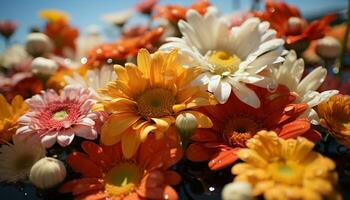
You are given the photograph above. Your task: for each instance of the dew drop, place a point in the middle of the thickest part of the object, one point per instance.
(211, 189)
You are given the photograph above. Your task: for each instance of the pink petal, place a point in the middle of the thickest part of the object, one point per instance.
(49, 139)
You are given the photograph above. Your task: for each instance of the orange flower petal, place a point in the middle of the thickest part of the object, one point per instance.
(197, 153)
(223, 159)
(294, 129)
(172, 178)
(80, 163)
(130, 143)
(116, 124)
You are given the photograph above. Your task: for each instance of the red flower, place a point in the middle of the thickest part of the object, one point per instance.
(7, 28)
(146, 6)
(174, 13)
(288, 22)
(124, 48)
(23, 83)
(235, 122)
(62, 34)
(107, 174)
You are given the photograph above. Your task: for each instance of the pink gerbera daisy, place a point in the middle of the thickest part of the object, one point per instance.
(54, 117)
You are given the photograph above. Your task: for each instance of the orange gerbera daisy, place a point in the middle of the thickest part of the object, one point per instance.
(174, 13)
(335, 116)
(288, 22)
(9, 113)
(148, 97)
(62, 34)
(286, 169)
(126, 47)
(107, 174)
(235, 122)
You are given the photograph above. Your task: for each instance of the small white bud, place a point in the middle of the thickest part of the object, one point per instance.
(237, 191)
(186, 123)
(38, 44)
(44, 66)
(328, 47)
(47, 173)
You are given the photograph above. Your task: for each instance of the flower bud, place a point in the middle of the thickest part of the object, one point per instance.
(295, 25)
(44, 66)
(47, 173)
(328, 47)
(38, 44)
(186, 124)
(237, 191)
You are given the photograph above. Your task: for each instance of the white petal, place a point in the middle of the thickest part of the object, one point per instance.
(65, 137)
(312, 81)
(49, 139)
(222, 92)
(214, 83)
(246, 95)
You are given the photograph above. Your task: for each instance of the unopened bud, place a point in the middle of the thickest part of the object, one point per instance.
(44, 66)
(328, 47)
(237, 191)
(186, 124)
(38, 44)
(295, 25)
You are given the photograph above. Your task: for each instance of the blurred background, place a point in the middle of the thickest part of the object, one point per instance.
(84, 13)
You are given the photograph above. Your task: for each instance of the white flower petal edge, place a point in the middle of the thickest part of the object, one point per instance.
(94, 80)
(17, 159)
(290, 74)
(229, 59)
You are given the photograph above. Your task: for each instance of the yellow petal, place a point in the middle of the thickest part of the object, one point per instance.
(163, 123)
(121, 73)
(144, 62)
(252, 157)
(115, 125)
(120, 105)
(5, 110)
(202, 120)
(145, 130)
(130, 143)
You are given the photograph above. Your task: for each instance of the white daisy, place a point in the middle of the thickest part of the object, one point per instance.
(17, 159)
(118, 18)
(229, 59)
(94, 79)
(290, 74)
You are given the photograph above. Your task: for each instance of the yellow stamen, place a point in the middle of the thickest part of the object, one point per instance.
(224, 62)
(156, 102)
(123, 178)
(60, 115)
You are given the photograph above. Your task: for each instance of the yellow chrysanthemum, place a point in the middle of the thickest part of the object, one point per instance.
(9, 113)
(286, 169)
(148, 97)
(335, 116)
(53, 15)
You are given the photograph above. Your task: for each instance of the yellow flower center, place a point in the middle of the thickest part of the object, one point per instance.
(287, 172)
(123, 178)
(156, 102)
(60, 115)
(238, 130)
(224, 62)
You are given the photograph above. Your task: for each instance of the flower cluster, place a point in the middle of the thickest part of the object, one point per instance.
(167, 103)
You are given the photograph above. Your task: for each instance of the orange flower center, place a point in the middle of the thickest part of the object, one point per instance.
(155, 103)
(123, 178)
(238, 130)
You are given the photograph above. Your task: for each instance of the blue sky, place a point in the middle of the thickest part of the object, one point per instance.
(87, 12)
